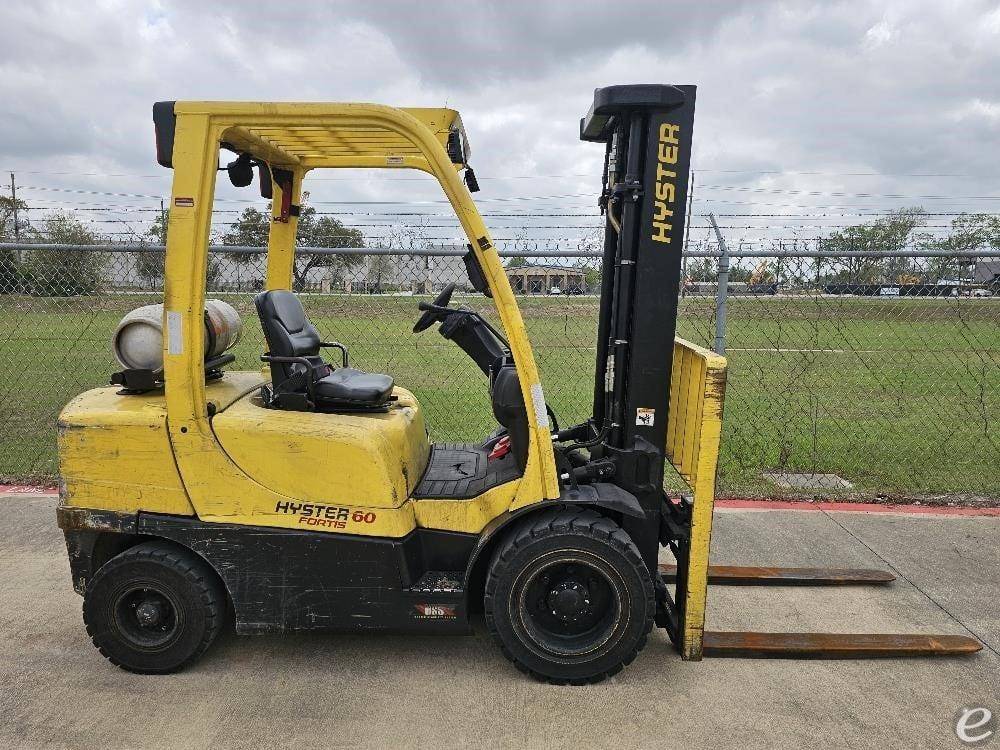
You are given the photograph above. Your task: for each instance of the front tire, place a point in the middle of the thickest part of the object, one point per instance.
(154, 608)
(568, 597)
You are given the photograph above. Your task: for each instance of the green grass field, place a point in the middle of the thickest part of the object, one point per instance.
(898, 396)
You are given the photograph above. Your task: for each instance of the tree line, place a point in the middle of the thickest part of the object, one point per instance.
(46, 271)
(902, 230)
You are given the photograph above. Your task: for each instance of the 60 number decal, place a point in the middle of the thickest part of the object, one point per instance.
(330, 516)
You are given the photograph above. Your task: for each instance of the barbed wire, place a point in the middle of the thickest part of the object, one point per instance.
(166, 174)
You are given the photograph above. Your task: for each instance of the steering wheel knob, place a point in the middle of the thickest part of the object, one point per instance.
(430, 317)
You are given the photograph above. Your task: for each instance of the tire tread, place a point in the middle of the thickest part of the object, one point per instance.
(578, 521)
(194, 569)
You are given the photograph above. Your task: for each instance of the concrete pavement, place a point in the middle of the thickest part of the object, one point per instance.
(389, 691)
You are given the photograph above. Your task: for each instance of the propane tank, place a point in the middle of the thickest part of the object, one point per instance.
(138, 340)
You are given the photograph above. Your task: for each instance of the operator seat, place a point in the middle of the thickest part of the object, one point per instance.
(300, 379)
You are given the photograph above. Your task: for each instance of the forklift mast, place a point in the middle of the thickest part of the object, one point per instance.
(647, 132)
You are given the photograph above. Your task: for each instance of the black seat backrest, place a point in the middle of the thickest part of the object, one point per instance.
(287, 330)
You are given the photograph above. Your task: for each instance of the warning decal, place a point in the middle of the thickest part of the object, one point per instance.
(645, 417)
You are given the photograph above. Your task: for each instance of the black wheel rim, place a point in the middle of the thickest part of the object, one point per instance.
(147, 616)
(572, 605)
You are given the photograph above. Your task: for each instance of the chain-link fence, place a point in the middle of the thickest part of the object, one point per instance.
(869, 373)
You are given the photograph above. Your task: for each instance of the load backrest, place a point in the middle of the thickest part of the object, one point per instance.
(694, 429)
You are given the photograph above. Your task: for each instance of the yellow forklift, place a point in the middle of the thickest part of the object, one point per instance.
(307, 496)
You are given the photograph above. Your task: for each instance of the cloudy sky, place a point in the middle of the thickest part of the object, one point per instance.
(805, 109)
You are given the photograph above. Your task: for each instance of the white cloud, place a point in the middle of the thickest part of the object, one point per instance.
(978, 109)
(880, 34)
(793, 87)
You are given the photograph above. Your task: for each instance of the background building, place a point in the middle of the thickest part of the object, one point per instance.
(541, 278)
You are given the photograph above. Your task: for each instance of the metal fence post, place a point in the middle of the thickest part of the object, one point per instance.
(722, 292)
(687, 237)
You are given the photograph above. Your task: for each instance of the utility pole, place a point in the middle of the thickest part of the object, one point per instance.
(722, 293)
(13, 203)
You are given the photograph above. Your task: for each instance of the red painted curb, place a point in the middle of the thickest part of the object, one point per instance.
(27, 489)
(916, 510)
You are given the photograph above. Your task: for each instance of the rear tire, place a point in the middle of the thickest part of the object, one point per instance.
(154, 608)
(568, 597)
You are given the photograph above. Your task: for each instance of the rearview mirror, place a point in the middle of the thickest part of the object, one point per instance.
(475, 271)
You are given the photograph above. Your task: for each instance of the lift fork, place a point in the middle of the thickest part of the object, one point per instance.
(816, 645)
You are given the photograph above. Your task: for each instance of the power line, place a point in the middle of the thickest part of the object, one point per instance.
(81, 191)
(839, 194)
(816, 206)
(531, 214)
(846, 174)
(309, 178)
(796, 172)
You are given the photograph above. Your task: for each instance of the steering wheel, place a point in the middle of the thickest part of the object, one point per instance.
(431, 316)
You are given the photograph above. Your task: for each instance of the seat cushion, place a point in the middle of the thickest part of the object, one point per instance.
(349, 385)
